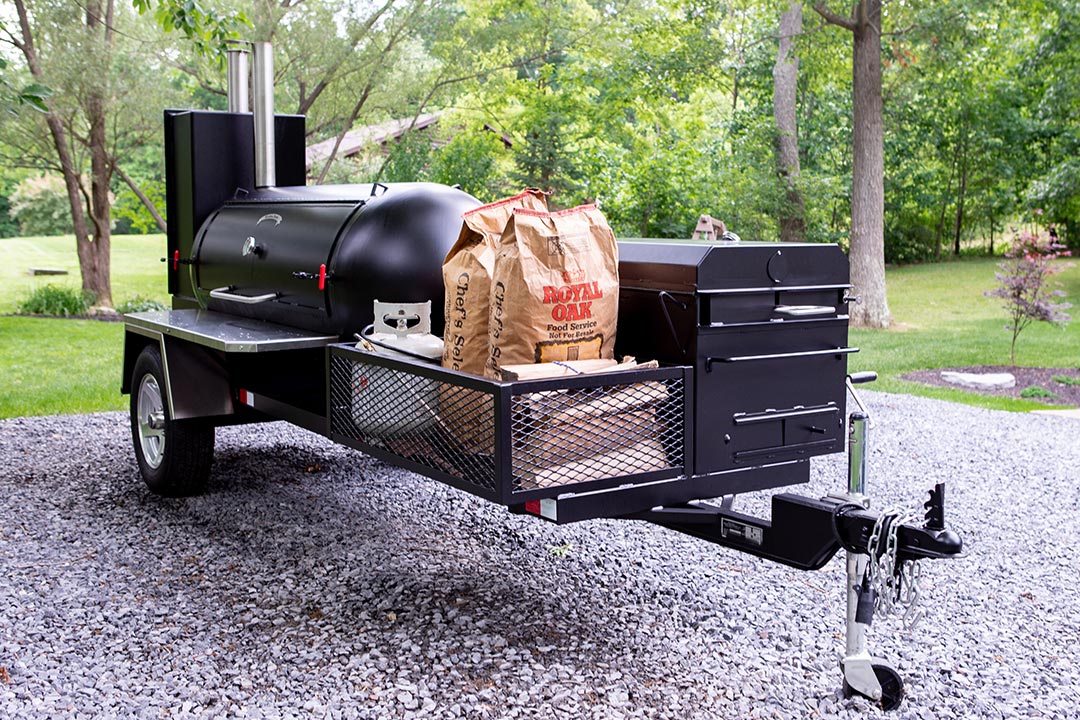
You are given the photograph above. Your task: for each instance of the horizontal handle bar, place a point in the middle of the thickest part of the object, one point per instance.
(223, 293)
(769, 416)
(779, 356)
(785, 450)
(804, 310)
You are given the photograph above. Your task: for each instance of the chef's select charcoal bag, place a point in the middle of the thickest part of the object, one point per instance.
(554, 289)
(467, 278)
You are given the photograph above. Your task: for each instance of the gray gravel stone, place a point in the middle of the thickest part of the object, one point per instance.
(359, 590)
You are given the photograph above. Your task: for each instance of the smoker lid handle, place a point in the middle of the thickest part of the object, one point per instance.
(224, 293)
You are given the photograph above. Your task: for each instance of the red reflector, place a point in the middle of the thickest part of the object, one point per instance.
(322, 277)
(246, 398)
(176, 260)
(533, 507)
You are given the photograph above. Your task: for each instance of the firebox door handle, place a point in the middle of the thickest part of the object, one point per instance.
(804, 310)
(779, 356)
(223, 293)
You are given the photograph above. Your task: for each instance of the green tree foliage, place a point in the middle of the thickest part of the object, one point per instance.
(471, 159)
(658, 110)
(40, 206)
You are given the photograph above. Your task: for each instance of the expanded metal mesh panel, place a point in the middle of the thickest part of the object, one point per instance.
(499, 440)
(441, 426)
(563, 437)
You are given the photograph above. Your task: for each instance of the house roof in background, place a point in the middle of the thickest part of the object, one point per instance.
(368, 135)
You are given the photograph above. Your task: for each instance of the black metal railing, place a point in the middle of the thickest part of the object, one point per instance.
(512, 442)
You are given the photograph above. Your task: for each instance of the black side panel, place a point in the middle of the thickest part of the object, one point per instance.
(209, 157)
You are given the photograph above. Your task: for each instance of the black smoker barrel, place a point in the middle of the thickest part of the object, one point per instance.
(316, 257)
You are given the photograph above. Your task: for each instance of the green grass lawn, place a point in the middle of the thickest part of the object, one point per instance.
(941, 319)
(136, 267)
(53, 366)
(68, 366)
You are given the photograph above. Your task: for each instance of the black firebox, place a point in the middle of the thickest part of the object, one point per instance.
(765, 327)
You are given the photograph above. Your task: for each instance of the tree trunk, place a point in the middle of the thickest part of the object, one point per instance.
(94, 257)
(867, 252)
(93, 253)
(868, 173)
(143, 198)
(958, 225)
(58, 134)
(785, 88)
(940, 234)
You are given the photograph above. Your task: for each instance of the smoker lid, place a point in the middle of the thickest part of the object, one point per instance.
(701, 267)
(330, 193)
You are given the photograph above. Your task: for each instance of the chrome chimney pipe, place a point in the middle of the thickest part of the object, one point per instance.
(262, 92)
(236, 75)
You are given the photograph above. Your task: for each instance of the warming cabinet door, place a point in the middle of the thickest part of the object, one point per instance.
(769, 393)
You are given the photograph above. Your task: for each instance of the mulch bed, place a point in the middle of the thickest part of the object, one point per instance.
(1026, 377)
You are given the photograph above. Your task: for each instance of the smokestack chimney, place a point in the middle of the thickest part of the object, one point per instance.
(262, 92)
(236, 59)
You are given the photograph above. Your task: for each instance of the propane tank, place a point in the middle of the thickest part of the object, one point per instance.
(404, 330)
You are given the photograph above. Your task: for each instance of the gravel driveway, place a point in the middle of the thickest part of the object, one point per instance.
(313, 581)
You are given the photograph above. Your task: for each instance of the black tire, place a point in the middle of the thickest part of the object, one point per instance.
(892, 687)
(174, 456)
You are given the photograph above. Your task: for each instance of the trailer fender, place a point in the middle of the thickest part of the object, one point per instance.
(196, 382)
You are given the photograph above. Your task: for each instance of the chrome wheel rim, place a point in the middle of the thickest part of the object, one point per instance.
(150, 413)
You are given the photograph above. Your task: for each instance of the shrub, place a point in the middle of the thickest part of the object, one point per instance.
(40, 204)
(1036, 392)
(1024, 284)
(57, 301)
(138, 303)
(1066, 380)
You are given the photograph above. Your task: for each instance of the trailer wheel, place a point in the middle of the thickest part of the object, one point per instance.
(174, 456)
(892, 687)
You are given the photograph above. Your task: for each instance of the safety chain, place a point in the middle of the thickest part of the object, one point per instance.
(895, 586)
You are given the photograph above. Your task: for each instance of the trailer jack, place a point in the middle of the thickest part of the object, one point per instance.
(882, 551)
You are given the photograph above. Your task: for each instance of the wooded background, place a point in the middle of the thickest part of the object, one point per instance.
(909, 131)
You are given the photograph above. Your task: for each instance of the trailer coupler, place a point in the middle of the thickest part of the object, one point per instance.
(805, 532)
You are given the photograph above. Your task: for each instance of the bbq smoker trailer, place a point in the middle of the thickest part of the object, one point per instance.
(271, 280)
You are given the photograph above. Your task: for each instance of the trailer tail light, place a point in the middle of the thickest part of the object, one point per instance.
(545, 508)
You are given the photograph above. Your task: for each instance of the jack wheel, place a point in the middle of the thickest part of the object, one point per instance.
(174, 456)
(892, 687)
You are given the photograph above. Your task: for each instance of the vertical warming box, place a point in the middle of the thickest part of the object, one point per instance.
(765, 327)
